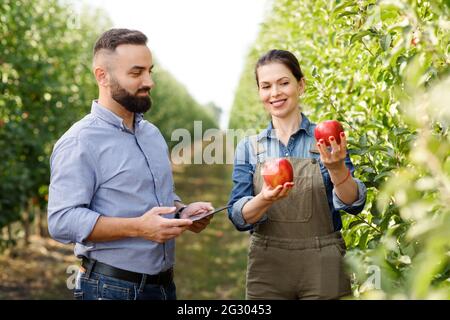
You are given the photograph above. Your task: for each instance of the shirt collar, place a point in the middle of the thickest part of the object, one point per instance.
(305, 125)
(110, 117)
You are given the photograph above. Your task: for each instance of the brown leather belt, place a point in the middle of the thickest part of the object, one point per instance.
(162, 278)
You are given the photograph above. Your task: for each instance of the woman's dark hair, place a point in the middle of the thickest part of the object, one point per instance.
(283, 57)
(113, 38)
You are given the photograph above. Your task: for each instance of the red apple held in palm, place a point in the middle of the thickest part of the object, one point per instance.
(277, 172)
(328, 128)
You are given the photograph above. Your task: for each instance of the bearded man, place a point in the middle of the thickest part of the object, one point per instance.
(111, 187)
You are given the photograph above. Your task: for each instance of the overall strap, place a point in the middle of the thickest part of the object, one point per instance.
(256, 147)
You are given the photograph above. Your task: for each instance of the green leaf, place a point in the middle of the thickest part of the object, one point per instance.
(382, 175)
(363, 140)
(362, 244)
(348, 13)
(386, 41)
(358, 36)
(344, 5)
(355, 223)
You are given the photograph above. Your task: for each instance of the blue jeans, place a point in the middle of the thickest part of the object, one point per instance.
(100, 287)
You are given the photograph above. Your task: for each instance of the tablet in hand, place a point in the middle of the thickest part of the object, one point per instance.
(206, 214)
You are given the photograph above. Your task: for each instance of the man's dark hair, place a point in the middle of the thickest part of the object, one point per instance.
(281, 56)
(113, 38)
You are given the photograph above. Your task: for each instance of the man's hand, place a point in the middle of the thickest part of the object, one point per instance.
(152, 226)
(194, 209)
(201, 224)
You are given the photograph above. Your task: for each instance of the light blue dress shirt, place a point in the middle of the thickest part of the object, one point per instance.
(101, 168)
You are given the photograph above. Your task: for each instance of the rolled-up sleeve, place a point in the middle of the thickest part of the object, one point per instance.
(73, 182)
(242, 191)
(358, 205)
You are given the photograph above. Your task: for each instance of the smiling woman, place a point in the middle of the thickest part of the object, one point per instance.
(290, 219)
(279, 90)
(366, 65)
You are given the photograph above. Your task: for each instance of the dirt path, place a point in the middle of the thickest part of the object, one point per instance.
(37, 271)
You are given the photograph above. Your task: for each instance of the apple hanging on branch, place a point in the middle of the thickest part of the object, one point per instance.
(328, 128)
(277, 172)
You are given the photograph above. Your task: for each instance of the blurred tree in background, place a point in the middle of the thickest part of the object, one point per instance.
(46, 85)
(381, 68)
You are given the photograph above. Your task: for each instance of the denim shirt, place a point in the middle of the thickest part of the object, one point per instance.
(299, 146)
(101, 168)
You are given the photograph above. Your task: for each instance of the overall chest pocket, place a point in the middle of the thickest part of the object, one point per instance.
(297, 206)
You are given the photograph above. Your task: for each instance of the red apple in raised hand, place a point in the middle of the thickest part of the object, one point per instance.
(328, 128)
(277, 172)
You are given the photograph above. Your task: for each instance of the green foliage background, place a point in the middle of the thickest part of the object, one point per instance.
(380, 68)
(46, 84)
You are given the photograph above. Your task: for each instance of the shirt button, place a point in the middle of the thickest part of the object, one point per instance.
(287, 154)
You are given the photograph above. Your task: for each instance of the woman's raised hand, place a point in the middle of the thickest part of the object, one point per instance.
(333, 159)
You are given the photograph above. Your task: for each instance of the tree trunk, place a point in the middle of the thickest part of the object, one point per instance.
(10, 237)
(26, 223)
(26, 228)
(41, 223)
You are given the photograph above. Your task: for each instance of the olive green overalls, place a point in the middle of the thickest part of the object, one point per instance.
(296, 254)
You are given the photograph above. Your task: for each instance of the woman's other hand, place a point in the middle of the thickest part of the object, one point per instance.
(273, 194)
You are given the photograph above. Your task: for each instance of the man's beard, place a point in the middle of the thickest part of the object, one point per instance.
(129, 101)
